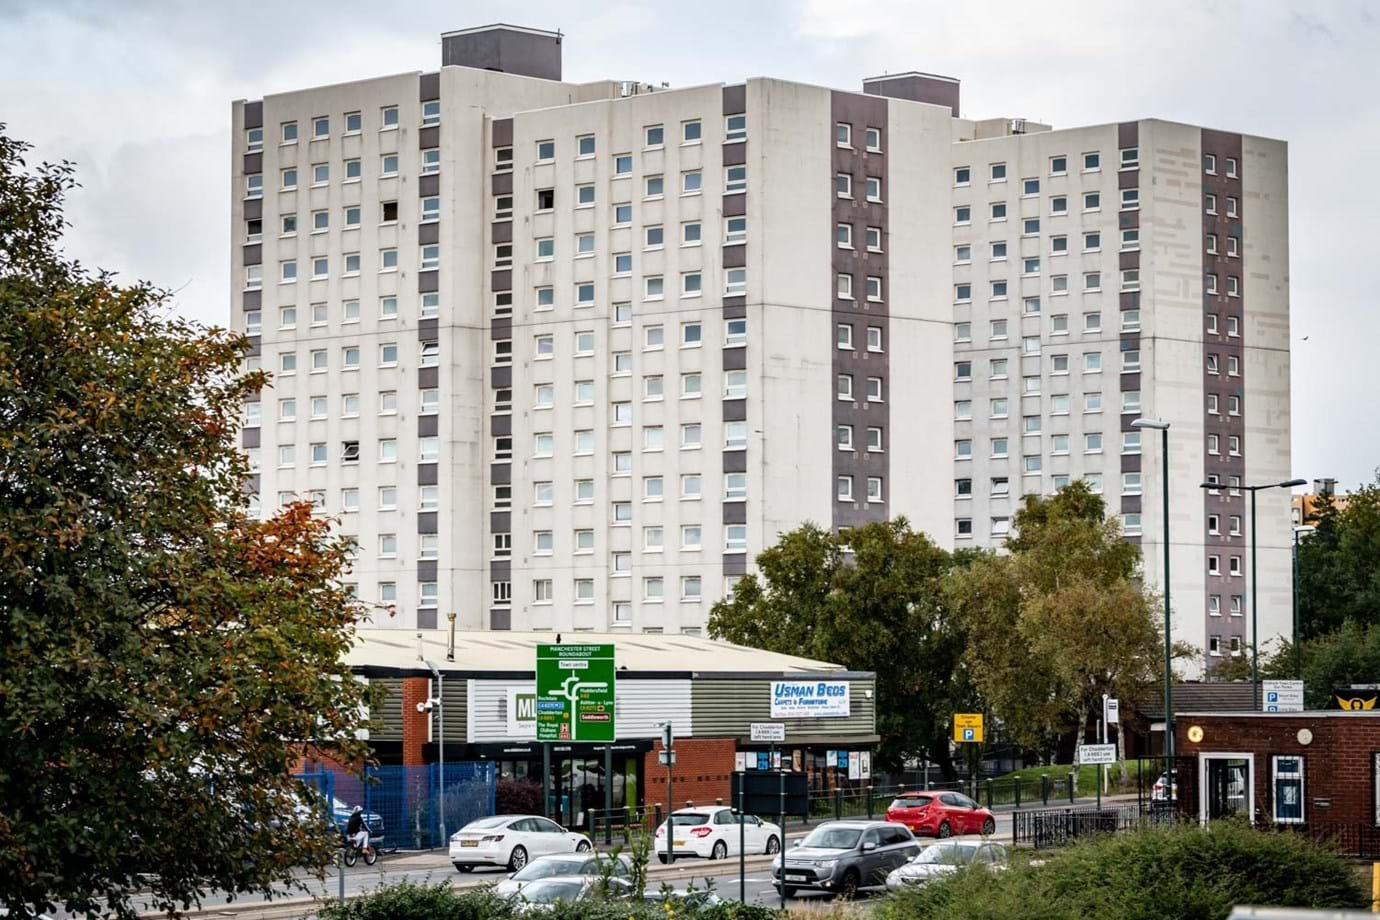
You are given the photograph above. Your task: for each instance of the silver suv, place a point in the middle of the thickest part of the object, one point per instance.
(843, 856)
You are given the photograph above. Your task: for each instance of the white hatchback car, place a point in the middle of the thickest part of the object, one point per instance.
(712, 833)
(511, 840)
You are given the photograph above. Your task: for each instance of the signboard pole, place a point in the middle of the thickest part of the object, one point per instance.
(742, 841)
(781, 823)
(608, 794)
(667, 742)
(546, 779)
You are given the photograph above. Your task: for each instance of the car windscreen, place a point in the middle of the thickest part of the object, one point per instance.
(545, 868)
(484, 824)
(549, 891)
(833, 838)
(947, 854)
(913, 801)
(688, 820)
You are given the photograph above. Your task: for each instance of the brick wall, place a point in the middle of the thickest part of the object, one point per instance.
(415, 724)
(1338, 762)
(703, 772)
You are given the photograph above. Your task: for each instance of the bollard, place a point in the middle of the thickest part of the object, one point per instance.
(869, 801)
(1044, 788)
(689, 803)
(658, 818)
(340, 863)
(719, 802)
(1018, 791)
(1071, 776)
(838, 804)
(989, 793)
(1374, 886)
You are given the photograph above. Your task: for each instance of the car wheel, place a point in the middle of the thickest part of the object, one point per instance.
(773, 844)
(582, 847)
(517, 859)
(662, 857)
(719, 851)
(944, 829)
(466, 869)
(848, 888)
(989, 827)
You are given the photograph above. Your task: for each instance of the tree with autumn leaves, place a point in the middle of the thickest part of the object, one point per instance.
(165, 658)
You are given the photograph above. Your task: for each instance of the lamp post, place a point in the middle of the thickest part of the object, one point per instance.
(1163, 428)
(1294, 599)
(440, 743)
(1255, 594)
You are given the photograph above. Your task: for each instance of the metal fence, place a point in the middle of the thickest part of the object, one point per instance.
(407, 802)
(1354, 840)
(1058, 827)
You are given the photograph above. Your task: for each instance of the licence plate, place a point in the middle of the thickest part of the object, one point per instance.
(469, 843)
(797, 877)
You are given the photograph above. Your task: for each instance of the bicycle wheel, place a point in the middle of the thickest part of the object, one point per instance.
(371, 855)
(351, 855)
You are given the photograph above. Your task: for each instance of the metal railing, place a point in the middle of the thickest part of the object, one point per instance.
(1057, 827)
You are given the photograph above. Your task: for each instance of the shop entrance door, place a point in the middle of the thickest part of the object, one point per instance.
(577, 789)
(1228, 786)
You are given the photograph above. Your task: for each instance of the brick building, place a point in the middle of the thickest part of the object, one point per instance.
(711, 692)
(1298, 768)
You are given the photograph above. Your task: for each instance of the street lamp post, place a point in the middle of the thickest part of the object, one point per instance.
(1255, 593)
(1163, 428)
(1294, 600)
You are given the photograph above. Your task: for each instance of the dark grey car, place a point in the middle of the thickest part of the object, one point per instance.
(842, 857)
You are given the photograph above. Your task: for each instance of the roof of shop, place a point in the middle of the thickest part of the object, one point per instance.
(399, 651)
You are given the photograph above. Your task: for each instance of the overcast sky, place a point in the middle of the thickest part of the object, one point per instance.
(138, 93)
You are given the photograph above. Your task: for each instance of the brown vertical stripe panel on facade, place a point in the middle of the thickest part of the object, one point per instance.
(735, 512)
(1218, 346)
(860, 112)
(1128, 135)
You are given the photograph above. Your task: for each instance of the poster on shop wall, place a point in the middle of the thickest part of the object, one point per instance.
(740, 761)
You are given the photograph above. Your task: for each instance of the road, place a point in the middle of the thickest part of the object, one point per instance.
(433, 867)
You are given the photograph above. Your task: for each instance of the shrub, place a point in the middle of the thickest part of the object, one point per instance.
(1176, 873)
(409, 901)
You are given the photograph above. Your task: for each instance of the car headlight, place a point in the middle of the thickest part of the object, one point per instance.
(827, 864)
(776, 863)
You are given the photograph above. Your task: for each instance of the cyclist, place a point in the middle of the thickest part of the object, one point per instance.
(356, 830)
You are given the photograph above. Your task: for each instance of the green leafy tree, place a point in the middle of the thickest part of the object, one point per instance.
(1339, 564)
(166, 658)
(1058, 621)
(879, 608)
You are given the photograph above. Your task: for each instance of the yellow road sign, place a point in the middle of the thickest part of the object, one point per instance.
(967, 727)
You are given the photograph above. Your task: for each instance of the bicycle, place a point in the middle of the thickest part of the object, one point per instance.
(352, 852)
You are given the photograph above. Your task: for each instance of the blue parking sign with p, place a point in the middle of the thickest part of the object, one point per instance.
(968, 734)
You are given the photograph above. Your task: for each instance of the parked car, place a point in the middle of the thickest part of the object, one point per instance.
(543, 894)
(844, 856)
(1161, 792)
(562, 864)
(712, 833)
(512, 841)
(940, 859)
(941, 814)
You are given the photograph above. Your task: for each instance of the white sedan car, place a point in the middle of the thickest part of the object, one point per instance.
(511, 840)
(939, 860)
(712, 833)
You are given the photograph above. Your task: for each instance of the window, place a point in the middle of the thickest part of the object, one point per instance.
(1211, 244)
(735, 179)
(1092, 201)
(735, 129)
(735, 435)
(652, 438)
(1233, 246)
(1233, 286)
(622, 164)
(1031, 227)
(691, 486)
(1130, 442)
(735, 231)
(997, 172)
(1210, 204)
(843, 437)
(874, 188)
(962, 175)
(844, 488)
(735, 281)
(692, 181)
(584, 590)
(1130, 199)
(735, 332)
(1288, 776)
(1235, 565)
(999, 447)
(998, 211)
(843, 185)
(1231, 207)
(996, 369)
(962, 215)
(963, 449)
(653, 288)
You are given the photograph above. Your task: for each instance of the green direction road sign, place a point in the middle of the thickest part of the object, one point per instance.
(575, 693)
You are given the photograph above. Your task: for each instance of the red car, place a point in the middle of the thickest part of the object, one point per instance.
(941, 814)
